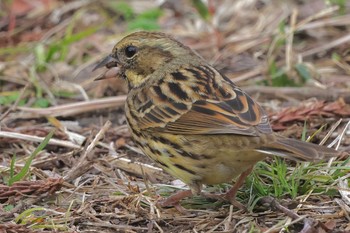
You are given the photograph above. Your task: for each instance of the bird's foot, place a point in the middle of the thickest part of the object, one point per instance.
(174, 200)
(225, 198)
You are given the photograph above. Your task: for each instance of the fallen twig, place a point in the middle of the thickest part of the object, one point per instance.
(77, 107)
(56, 142)
(85, 160)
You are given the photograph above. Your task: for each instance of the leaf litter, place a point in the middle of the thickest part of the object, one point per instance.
(293, 57)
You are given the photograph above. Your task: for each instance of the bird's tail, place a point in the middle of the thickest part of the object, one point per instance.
(298, 150)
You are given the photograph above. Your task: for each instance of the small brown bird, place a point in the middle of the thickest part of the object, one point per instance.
(191, 119)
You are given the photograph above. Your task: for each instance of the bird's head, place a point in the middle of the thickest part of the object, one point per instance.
(139, 55)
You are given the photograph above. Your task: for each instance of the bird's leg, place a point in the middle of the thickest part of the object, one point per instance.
(231, 194)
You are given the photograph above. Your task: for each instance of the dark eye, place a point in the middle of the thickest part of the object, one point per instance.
(130, 51)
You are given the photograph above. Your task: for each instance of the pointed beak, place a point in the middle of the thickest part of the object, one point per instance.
(111, 64)
(108, 62)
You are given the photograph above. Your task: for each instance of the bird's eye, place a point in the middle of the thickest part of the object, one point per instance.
(130, 51)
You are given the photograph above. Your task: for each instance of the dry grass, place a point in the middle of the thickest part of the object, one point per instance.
(292, 56)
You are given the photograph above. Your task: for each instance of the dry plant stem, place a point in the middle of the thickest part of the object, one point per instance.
(308, 222)
(308, 226)
(290, 37)
(227, 222)
(134, 168)
(321, 14)
(247, 75)
(69, 6)
(77, 108)
(334, 126)
(343, 182)
(344, 207)
(339, 138)
(126, 228)
(158, 227)
(325, 47)
(31, 138)
(85, 161)
(275, 205)
(337, 21)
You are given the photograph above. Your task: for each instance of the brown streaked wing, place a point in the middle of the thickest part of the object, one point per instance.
(206, 117)
(239, 114)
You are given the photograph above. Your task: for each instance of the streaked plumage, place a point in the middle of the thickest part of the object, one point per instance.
(191, 119)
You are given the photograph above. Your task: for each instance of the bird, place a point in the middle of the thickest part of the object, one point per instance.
(192, 120)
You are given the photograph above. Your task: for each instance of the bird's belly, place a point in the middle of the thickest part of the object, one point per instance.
(201, 159)
(220, 173)
(229, 165)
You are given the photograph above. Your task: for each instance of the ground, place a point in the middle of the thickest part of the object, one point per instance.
(293, 57)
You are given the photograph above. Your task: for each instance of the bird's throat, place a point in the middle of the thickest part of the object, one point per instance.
(134, 78)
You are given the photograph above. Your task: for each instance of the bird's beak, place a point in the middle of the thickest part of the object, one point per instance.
(111, 63)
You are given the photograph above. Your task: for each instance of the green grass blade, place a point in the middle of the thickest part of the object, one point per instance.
(303, 72)
(201, 8)
(26, 166)
(25, 214)
(12, 166)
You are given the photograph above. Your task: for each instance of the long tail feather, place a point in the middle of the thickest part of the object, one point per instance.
(298, 150)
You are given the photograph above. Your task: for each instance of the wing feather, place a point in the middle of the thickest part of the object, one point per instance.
(216, 106)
